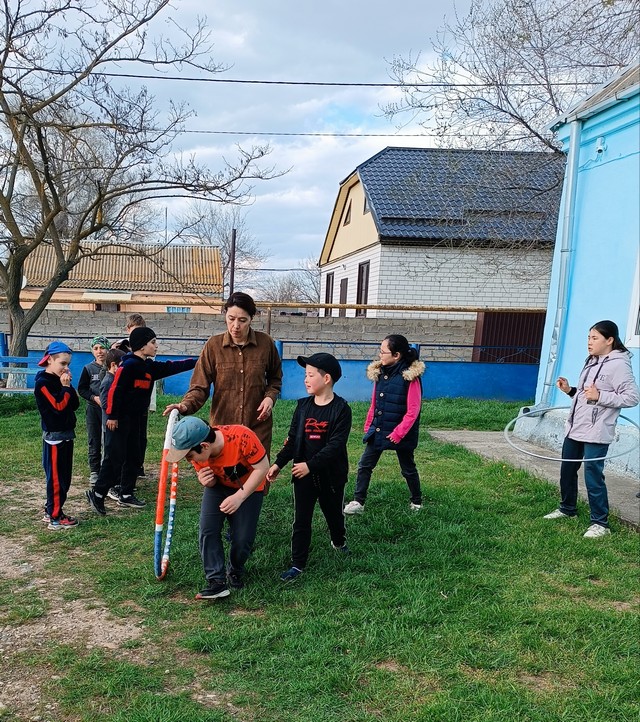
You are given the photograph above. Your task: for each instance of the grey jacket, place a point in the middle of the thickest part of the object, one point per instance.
(595, 423)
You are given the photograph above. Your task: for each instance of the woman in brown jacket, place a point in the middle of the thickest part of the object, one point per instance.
(246, 372)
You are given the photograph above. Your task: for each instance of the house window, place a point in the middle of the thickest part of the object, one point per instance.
(328, 293)
(109, 307)
(347, 215)
(178, 309)
(344, 285)
(362, 293)
(366, 208)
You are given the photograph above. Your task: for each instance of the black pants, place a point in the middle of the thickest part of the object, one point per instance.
(330, 497)
(57, 462)
(122, 457)
(93, 417)
(366, 465)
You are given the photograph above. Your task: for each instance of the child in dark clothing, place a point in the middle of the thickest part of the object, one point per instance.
(110, 459)
(89, 389)
(127, 405)
(317, 444)
(57, 400)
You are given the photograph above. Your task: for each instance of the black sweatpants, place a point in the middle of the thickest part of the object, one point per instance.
(122, 457)
(330, 497)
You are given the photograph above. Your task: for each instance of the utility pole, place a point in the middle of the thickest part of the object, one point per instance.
(232, 260)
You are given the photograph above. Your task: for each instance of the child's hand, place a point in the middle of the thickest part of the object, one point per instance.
(591, 393)
(112, 424)
(206, 477)
(563, 384)
(65, 378)
(273, 472)
(300, 470)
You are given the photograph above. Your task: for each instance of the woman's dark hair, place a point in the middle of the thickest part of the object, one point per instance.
(609, 329)
(243, 301)
(399, 344)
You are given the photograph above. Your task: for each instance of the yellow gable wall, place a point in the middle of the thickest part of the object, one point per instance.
(359, 233)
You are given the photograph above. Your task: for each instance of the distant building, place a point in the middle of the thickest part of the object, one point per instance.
(135, 277)
(448, 229)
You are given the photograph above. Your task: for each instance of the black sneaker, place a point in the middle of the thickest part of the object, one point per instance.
(215, 591)
(235, 580)
(96, 502)
(344, 549)
(291, 574)
(141, 474)
(114, 493)
(131, 501)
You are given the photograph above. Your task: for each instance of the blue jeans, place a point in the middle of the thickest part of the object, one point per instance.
(366, 465)
(243, 525)
(593, 479)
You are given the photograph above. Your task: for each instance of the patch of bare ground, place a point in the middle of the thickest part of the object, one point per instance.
(579, 595)
(544, 682)
(84, 624)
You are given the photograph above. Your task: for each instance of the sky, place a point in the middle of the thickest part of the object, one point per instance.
(302, 41)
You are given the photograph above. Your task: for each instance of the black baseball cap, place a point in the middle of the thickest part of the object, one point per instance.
(324, 361)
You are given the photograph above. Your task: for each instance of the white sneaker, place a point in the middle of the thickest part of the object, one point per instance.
(595, 531)
(415, 507)
(354, 507)
(557, 514)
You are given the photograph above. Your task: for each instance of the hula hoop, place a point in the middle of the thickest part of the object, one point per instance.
(160, 557)
(542, 412)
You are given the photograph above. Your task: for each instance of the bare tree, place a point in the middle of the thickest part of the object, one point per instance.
(507, 68)
(212, 224)
(301, 285)
(81, 156)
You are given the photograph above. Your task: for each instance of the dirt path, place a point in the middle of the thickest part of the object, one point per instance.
(84, 623)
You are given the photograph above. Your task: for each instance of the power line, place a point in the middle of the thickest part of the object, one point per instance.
(301, 83)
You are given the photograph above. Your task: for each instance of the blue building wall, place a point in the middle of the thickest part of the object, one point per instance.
(605, 244)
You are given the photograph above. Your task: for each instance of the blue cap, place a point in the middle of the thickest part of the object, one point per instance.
(53, 348)
(187, 433)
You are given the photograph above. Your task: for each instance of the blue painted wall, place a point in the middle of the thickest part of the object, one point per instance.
(450, 379)
(605, 247)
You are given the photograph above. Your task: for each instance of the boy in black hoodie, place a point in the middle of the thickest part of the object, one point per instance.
(127, 406)
(317, 445)
(57, 400)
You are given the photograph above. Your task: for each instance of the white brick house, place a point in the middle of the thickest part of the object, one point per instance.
(446, 228)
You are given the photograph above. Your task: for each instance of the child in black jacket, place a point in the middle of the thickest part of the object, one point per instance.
(127, 405)
(317, 444)
(57, 401)
(89, 388)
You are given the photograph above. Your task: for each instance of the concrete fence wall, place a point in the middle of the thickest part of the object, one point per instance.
(185, 333)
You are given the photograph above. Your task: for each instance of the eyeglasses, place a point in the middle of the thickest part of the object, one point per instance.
(382, 353)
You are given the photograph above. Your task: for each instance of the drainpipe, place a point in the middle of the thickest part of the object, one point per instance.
(566, 239)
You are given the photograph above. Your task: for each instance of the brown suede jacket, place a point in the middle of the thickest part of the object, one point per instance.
(241, 378)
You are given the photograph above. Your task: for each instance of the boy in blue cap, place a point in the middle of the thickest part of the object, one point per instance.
(231, 464)
(317, 445)
(57, 401)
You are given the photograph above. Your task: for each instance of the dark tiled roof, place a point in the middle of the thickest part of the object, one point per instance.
(463, 195)
(136, 267)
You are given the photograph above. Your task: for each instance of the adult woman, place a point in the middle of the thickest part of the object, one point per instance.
(246, 372)
(605, 386)
(393, 420)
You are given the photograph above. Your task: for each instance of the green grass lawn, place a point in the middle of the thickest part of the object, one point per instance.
(473, 609)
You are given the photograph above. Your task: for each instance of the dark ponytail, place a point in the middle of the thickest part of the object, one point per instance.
(399, 344)
(609, 329)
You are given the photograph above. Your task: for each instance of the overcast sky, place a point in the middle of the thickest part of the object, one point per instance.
(331, 41)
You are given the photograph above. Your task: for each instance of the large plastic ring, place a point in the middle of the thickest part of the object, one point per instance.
(542, 412)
